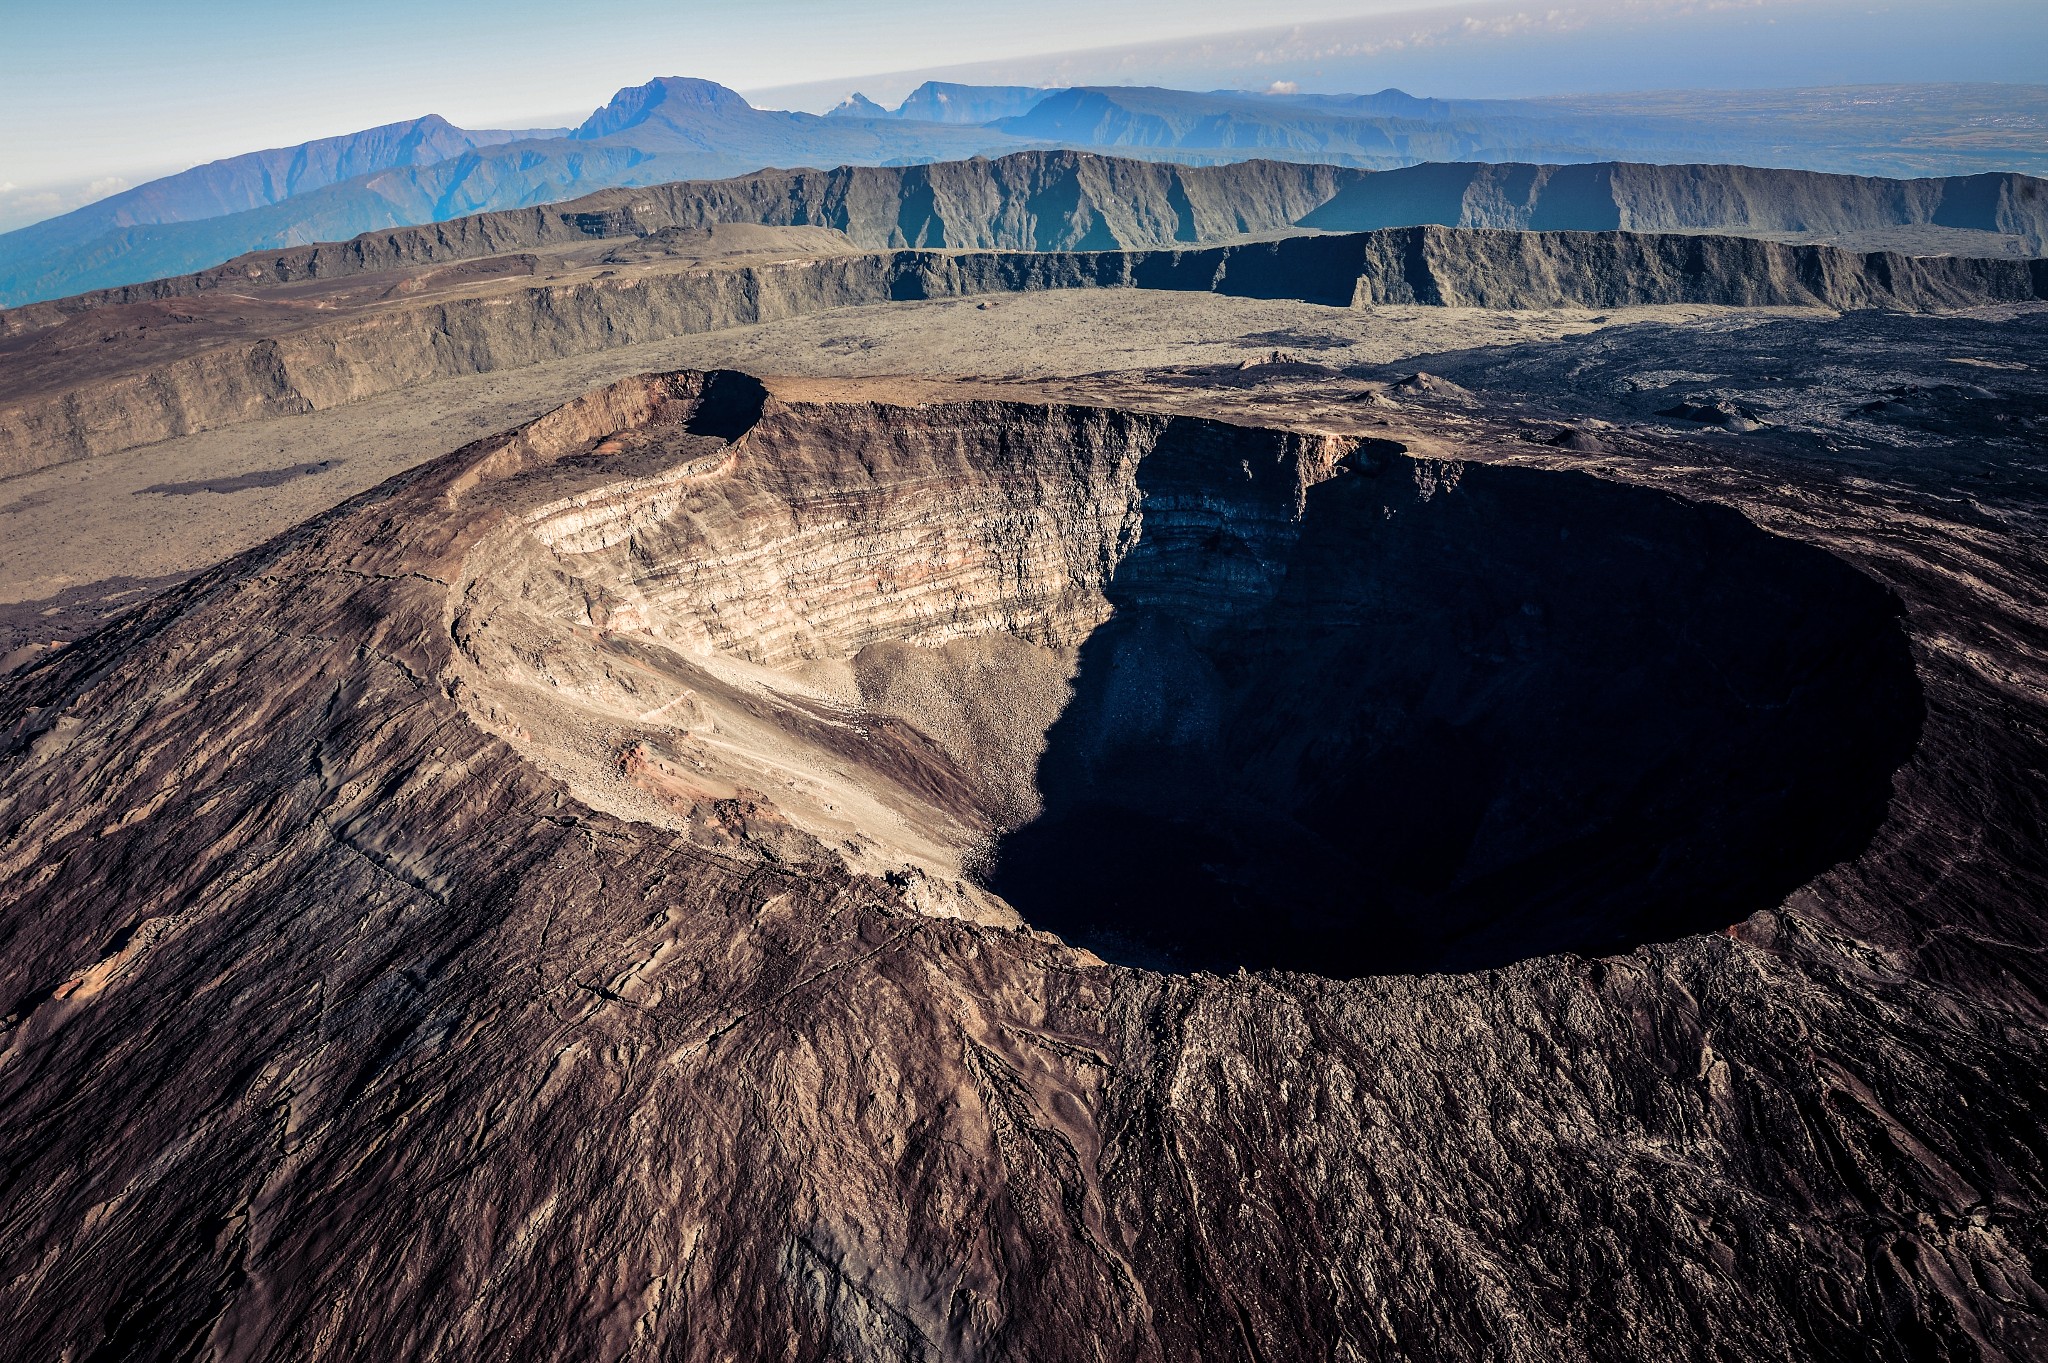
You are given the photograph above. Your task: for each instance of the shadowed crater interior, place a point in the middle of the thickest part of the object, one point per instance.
(1195, 695)
(1450, 717)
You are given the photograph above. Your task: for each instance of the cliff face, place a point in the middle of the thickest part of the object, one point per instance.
(1065, 201)
(300, 367)
(399, 949)
(1662, 198)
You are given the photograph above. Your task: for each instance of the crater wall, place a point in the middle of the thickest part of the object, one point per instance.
(1202, 695)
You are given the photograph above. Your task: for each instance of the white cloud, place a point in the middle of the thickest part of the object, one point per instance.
(22, 205)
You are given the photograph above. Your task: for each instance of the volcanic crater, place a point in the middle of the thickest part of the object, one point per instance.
(1191, 695)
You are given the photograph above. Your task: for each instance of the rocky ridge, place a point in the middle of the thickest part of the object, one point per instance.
(1068, 201)
(313, 359)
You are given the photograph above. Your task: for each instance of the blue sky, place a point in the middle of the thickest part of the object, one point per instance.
(93, 95)
(97, 88)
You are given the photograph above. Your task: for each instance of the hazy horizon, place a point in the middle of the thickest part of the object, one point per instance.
(207, 95)
(1503, 50)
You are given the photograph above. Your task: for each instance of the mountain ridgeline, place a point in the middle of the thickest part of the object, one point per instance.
(186, 209)
(1076, 201)
(669, 129)
(938, 101)
(674, 129)
(260, 178)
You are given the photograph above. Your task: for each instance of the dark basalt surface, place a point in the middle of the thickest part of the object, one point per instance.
(334, 1026)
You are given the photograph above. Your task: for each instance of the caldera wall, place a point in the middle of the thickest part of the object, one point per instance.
(384, 348)
(1070, 200)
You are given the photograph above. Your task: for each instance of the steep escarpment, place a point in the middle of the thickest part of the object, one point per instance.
(397, 1019)
(1068, 201)
(1664, 198)
(1033, 201)
(1501, 269)
(306, 362)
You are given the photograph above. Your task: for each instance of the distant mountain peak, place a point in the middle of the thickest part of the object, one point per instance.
(636, 104)
(857, 105)
(938, 101)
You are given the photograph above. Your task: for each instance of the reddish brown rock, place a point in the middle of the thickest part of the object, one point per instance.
(359, 1002)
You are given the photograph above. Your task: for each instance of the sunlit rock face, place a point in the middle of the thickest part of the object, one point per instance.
(1194, 694)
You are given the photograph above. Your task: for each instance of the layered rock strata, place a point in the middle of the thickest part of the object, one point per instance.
(305, 366)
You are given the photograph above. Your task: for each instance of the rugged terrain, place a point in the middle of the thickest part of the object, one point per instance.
(483, 201)
(1422, 793)
(553, 914)
(1068, 200)
(116, 376)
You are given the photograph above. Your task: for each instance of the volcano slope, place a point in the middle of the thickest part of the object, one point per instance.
(735, 868)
